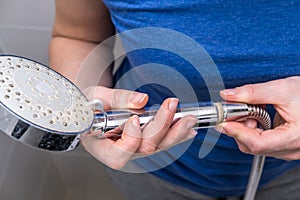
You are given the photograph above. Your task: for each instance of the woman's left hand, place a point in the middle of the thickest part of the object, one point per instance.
(284, 140)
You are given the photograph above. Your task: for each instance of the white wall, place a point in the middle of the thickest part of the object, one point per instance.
(27, 174)
(25, 27)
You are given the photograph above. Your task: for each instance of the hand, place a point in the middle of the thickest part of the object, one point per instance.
(158, 135)
(284, 140)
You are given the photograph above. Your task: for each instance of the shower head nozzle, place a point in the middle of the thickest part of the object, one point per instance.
(37, 96)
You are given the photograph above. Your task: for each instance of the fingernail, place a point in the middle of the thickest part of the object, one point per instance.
(137, 98)
(132, 127)
(220, 128)
(228, 92)
(135, 121)
(192, 134)
(173, 104)
(191, 123)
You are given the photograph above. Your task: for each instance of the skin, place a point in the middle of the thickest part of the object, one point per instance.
(283, 141)
(78, 28)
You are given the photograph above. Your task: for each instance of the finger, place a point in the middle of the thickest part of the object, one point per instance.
(258, 141)
(261, 93)
(117, 98)
(116, 154)
(155, 131)
(181, 131)
(286, 155)
(243, 148)
(250, 123)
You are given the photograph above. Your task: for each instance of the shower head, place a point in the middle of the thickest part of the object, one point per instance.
(43, 109)
(38, 99)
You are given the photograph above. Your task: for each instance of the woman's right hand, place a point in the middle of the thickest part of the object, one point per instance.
(161, 133)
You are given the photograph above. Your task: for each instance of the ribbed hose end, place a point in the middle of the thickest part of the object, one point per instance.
(260, 115)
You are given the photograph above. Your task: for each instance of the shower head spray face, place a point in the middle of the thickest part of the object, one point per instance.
(50, 110)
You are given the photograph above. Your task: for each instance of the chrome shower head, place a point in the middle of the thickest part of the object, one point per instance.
(38, 99)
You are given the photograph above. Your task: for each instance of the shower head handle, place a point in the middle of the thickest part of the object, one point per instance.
(209, 114)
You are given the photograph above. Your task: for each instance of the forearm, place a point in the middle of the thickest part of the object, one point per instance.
(67, 56)
(79, 28)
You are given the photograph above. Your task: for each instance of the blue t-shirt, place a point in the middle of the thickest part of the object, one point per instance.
(249, 42)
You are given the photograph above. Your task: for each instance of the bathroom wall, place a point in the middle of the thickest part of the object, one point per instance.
(25, 173)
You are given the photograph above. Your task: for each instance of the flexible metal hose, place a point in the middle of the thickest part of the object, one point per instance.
(264, 120)
(260, 115)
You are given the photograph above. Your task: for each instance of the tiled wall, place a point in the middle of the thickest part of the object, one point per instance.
(27, 174)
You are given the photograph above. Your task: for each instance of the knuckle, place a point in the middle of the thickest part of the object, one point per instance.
(163, 122)
(284, 83)
(166, 124)
(291, 157)
(132, 145)
(115, 164)
(257, 148)
(290, 83)
(244, 149)
(115, 98)
(167, 120)
(294, 80)
(147, 148)
(250, 90)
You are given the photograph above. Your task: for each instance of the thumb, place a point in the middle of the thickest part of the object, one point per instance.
(272, 92)
(117, 98)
